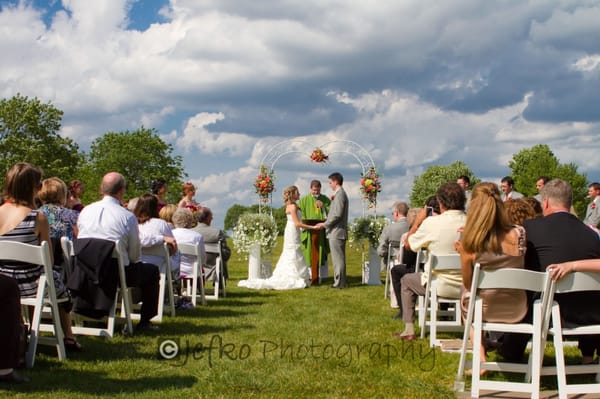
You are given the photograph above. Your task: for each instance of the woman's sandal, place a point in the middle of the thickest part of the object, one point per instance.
(72, 345)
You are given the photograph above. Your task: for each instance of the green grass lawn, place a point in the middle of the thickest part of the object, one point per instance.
(316, 342)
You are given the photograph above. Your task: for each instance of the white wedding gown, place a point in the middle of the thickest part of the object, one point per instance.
(291, 271)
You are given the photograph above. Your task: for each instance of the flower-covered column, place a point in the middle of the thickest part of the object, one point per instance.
(374, 266)
(255, 234)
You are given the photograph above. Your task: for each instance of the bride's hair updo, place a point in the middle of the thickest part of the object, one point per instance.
(288, 193)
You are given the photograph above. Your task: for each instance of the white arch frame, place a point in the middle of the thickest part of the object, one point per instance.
(362, 156)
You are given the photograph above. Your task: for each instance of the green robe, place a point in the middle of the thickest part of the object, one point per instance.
(310, 211)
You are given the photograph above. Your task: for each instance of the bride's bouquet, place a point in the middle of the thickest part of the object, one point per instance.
(367, 228)
(255, 228)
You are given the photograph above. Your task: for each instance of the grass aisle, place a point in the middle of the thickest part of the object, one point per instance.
(316, 342)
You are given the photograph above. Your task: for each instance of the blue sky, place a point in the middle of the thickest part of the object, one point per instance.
(408, 83)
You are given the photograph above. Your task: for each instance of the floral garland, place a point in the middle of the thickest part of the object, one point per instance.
(319, 156)
(370, 186)
(255, 228)
(264, 184)
(367, 228)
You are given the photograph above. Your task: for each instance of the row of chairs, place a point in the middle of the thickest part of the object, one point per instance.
(45, 304)
(546, 312)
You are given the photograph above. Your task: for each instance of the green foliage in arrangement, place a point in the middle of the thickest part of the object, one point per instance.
(29, 133)
(139, 155)
(367, 228)
(530, 163)
(234, 212)
(255, 228)
(427, 183)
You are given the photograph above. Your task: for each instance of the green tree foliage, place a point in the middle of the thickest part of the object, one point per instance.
(139, 156)
(29, 133)
(530, 163)
(427, 184)
(234, 212)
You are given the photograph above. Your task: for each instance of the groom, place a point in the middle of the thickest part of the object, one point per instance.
(336, 226)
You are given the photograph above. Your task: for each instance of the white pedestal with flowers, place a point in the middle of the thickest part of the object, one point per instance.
(255, 234)
(366, 231)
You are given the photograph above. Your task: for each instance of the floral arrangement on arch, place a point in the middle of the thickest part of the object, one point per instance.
(264, 183)
(254, 228)
(367, 228)
(370, 185)
(318, 156)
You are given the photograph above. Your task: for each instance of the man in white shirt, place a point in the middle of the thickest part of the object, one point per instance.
(108, 219)
(437, 234)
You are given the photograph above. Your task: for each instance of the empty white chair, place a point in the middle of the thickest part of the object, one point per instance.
(45, 298)
(190, 283)
(573, 282)
(496, 279)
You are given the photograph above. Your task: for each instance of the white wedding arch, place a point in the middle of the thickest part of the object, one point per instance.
(329, 148)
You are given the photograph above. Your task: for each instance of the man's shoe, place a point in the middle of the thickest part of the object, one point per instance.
(13, 377)
(146, 327)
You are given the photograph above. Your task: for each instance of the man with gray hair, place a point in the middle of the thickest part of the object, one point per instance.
(392, 232)
(212, 235)
(556, 238)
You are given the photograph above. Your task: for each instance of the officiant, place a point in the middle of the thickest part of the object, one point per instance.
(314, 207)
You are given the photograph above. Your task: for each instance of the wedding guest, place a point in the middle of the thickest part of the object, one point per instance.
(519, 210)
(393, 231)
(212, 235)
(63, 221)
(508, 191)
(76, 189)
(188, 190)
(160, 188)
(539, 184)
(592, 213)
(108, 219)
(183, 219)
(536, 205)
(20, 221)
(166, 214)
(154, 231)
(436, 234)
(464, 182)
(492, 240)
(11, 327)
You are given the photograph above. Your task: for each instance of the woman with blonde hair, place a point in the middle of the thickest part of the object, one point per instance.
(291, 271)
(490, 239)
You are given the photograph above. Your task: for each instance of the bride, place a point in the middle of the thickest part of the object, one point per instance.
(291, 271)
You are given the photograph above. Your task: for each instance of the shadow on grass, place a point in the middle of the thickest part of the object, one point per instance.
(97, 383)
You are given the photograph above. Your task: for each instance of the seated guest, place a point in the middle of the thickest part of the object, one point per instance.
(519, 210)
(536, 205)
(107, 219)
(490, 239)
(63, 221)
(212, 235)
(437, 234)
(392, 232)
(11, 329)
(20, 221)
(154, 231)
(166, 214)
(183, 219)
(559, 237)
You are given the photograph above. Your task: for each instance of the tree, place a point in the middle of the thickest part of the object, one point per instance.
(427, 184)
(530, 163)
(139, 156)
(234, 212)
(29, 133)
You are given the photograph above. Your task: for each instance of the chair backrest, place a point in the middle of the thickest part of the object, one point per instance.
(214, 248)
(444, 262)
(190, 250)
(578, 281)
(521, 279)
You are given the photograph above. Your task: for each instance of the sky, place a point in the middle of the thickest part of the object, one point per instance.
(399, 84)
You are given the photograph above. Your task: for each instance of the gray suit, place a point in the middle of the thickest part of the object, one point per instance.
(391, 234)
(592, 215)
(336, 227)
(212, 235)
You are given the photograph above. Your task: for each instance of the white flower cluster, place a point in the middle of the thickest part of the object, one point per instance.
(255, 228)
(367, 228)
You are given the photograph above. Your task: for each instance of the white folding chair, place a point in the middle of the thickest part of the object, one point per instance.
(394, 252)
(520, 279)
(429, 305)
(573, 282)
(122, 296)
(45, 299)
(215, 248)
(165, 284)
(190, 283)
